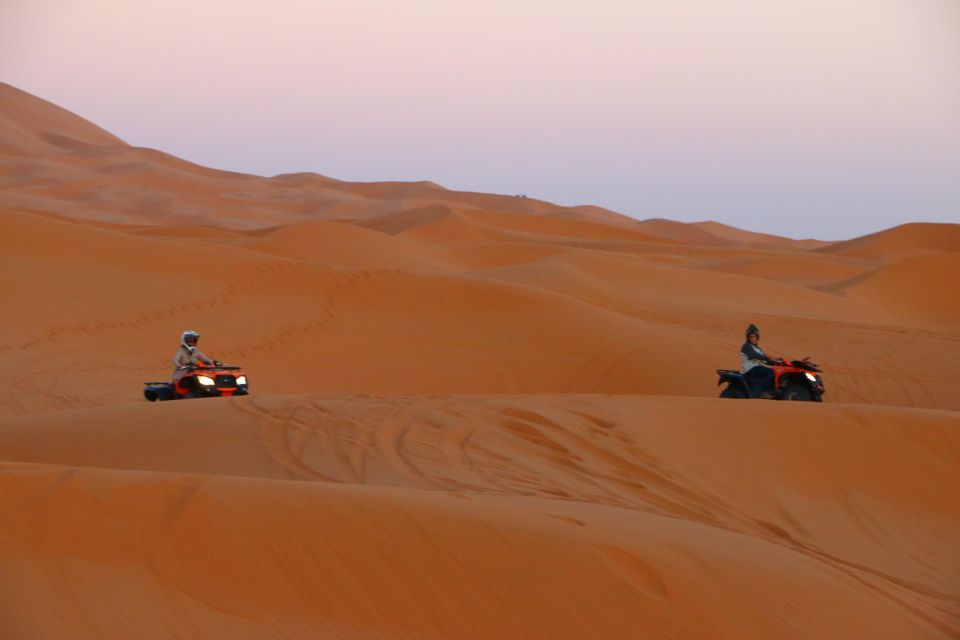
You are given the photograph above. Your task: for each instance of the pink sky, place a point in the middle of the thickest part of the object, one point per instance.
(826, 118)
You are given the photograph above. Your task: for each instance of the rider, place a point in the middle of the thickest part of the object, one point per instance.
(188, 356)
(753, 362)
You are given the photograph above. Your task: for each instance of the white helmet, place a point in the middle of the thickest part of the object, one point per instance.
(188, 335)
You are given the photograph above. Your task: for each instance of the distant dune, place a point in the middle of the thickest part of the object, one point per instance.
(473, 415)
(904, 240)
(32, 126)
(751, 237)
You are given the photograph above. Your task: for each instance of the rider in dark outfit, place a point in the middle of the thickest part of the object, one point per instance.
(753, 363)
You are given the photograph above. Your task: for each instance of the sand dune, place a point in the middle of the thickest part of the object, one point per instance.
(684, 232)
(32, 126)
(218, 557)
(73, 167)
(921, 290)
(742, 236)
(794, 268)
(594, 520)
(340, 244)
(474, 415)
(561, 227)
(593, 276)
(900, 242)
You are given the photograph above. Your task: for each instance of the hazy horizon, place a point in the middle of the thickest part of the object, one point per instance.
(816, 119)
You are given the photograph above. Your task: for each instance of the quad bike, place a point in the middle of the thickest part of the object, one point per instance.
(200, 381)
(793, 380)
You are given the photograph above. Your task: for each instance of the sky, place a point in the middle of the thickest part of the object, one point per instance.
(806, 118)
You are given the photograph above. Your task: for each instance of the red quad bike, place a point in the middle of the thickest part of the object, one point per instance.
(200, 381)
(793, 380)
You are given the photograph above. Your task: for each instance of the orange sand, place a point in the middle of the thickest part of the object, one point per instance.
(475, 416)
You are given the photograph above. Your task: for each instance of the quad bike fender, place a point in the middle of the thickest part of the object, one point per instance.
(733, 379)
(729, 375)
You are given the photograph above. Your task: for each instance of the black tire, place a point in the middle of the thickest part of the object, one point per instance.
(799, 392)
(733, 391)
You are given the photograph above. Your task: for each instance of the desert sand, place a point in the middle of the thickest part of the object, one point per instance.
(473, 415)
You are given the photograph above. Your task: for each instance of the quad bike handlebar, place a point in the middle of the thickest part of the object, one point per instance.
(217, 365)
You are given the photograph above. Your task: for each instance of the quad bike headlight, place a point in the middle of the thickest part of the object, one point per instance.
(205, 380)
(811, 377)
(241, 379)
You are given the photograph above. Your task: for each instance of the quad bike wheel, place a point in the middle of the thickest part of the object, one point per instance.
(796, 392)
(733, 392)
